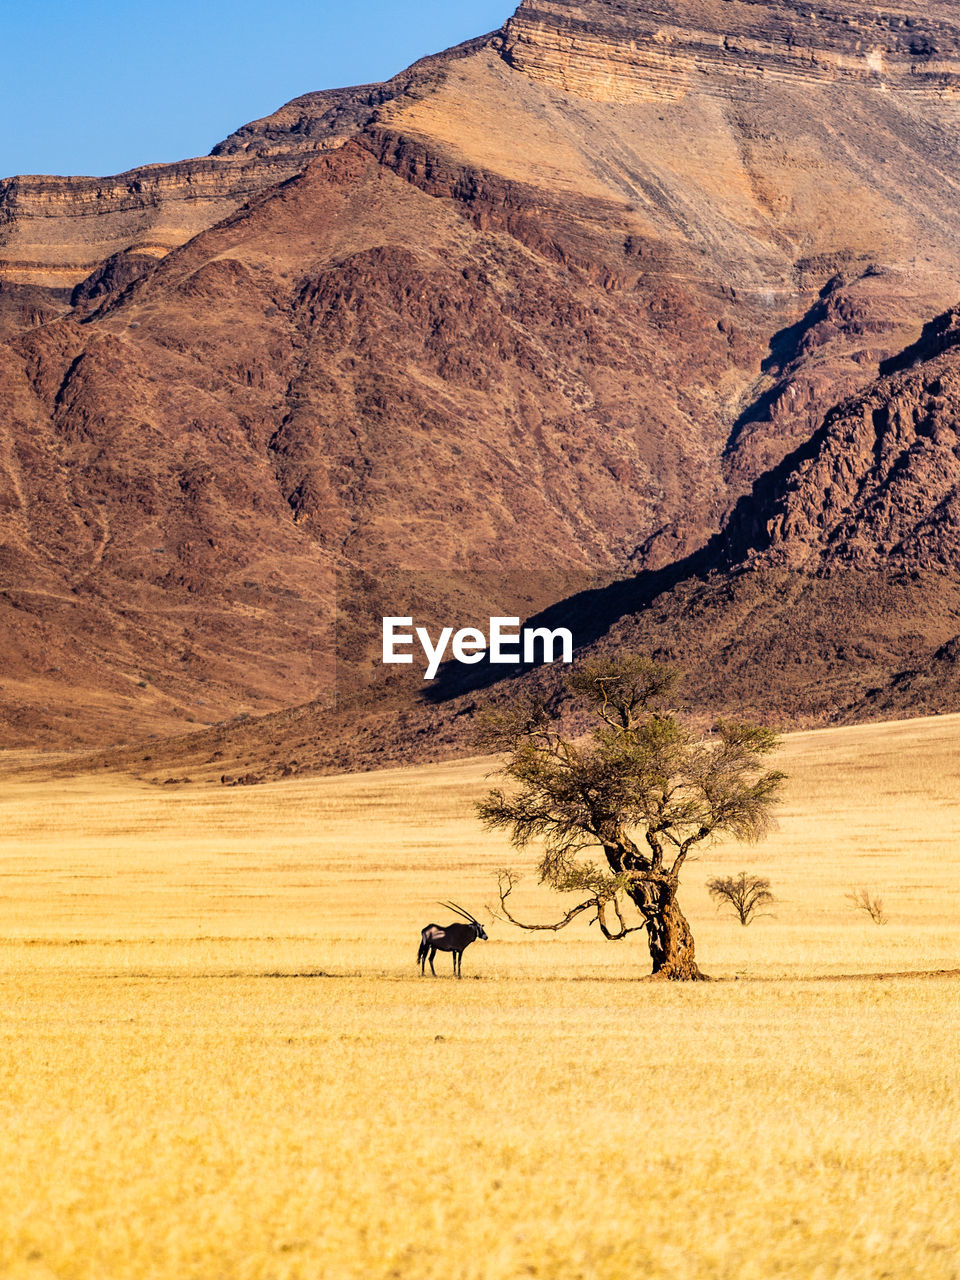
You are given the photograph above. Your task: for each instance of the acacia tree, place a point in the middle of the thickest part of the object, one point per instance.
(746, 894)
(643, 790)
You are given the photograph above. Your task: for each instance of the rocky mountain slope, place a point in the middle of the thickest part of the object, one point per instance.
(832, 595)
(837, 578)
(549, 310)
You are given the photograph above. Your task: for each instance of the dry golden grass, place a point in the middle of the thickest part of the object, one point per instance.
(218, 1060)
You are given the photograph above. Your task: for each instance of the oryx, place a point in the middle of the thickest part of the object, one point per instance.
(454, 937)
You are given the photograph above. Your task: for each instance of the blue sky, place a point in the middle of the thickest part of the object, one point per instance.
(97, 86)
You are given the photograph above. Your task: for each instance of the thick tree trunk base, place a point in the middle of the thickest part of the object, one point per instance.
(676, 975)
(671, 945)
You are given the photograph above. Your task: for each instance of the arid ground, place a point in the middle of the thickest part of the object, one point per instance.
(219, 1060)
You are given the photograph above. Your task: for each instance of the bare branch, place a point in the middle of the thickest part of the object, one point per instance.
(624, 928)
(685, 846)
(505, 884)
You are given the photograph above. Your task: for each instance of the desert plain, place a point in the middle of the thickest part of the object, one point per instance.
(219, 1059)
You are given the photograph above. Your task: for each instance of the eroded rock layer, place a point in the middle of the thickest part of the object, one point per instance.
(635, 51)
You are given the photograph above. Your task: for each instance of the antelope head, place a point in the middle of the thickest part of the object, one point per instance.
(452, 906)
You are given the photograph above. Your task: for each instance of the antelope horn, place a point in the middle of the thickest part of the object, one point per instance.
(460, 911)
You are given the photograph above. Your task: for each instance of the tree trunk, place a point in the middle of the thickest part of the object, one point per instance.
(670, 939)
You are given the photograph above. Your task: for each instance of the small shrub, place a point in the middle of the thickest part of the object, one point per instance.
(745, 894)
(872, 904)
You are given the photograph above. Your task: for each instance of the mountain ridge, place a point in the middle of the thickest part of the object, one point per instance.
(504, 316)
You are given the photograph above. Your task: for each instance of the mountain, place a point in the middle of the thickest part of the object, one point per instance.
(832, 595)
(612, 307)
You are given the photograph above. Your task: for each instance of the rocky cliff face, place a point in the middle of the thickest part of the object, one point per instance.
(54, 232)
(833, 593)
(878, 484)
(629, 52)
(541, 311)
